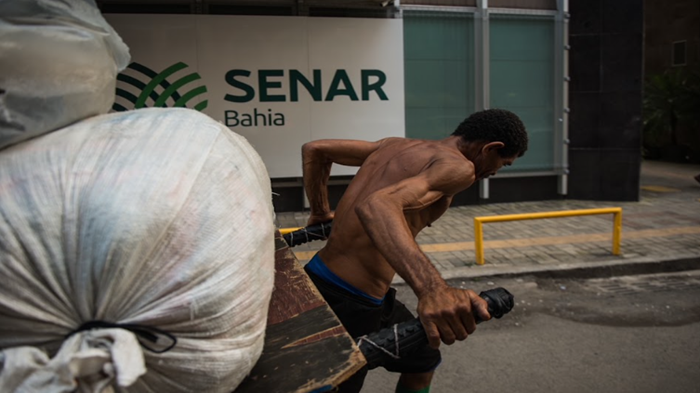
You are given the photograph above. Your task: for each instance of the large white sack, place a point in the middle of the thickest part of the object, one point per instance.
(156, 217)
(58, 64)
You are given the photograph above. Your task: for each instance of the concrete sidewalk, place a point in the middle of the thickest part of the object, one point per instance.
(663, 228)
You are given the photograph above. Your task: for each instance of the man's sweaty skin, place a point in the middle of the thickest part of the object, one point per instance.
(403, 186)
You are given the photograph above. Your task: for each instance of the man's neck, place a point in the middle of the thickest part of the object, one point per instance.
(468, 149)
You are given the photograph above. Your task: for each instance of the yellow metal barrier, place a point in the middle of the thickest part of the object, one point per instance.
(479, 221)
(285, 231)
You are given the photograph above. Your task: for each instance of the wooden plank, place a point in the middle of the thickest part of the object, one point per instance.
(306, 347)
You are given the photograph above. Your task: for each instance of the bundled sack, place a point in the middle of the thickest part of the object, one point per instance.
(124, 224)
(58, 64)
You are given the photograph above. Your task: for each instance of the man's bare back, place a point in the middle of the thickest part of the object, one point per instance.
(402, 186)
(350, 253)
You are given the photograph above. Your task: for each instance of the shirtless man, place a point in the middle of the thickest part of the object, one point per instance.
(402, 186)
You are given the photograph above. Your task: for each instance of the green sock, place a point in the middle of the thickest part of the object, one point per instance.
(402, 389)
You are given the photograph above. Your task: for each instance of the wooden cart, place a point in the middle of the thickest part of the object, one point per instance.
(306, 347)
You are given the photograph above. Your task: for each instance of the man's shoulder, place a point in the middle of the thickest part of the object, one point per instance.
(454, 165)
(446, 156)
(392, 140)
(418, 155)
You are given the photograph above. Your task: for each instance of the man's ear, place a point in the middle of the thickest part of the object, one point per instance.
(493, 146)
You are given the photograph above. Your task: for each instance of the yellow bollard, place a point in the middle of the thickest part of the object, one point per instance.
(617, 232)
(478, 241)
(479, 221)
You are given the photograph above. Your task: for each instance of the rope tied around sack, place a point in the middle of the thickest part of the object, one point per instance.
(148, 333)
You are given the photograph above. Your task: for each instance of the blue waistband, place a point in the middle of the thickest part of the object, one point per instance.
(319, 268)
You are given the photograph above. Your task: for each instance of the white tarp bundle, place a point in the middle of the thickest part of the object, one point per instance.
(58, 64)
(159, 218)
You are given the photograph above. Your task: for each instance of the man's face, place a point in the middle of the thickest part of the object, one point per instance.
(491, 162)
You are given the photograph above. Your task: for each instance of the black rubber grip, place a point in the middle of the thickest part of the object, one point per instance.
(411, 335)
(308, 234)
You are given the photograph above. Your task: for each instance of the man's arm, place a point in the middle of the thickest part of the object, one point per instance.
(446, 312)
(317, 159)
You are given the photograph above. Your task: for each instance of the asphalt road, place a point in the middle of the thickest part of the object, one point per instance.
(625, 334)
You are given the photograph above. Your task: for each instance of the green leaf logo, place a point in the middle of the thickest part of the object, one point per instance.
(142, 87)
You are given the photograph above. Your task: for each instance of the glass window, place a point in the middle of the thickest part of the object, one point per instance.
(439, 72)
(679, 53)
(522, 81)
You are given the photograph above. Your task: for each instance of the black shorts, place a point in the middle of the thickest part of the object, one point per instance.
(360, 316)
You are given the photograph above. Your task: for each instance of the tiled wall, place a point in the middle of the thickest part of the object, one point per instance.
(605, 97)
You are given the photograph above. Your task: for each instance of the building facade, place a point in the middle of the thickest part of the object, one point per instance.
(571, 69)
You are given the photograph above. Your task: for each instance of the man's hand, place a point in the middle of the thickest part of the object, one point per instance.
(320, 218)
(447, 314)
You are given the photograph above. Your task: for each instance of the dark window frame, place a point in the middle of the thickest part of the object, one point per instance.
(674, 54)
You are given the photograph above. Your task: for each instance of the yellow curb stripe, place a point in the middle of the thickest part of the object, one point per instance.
(666, 173)
(543, 241)
(659, 189)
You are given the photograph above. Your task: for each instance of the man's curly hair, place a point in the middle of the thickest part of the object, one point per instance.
(496, 125)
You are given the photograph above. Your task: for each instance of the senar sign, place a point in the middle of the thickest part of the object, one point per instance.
(278, 81)
(270, 84)
(340, 85)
